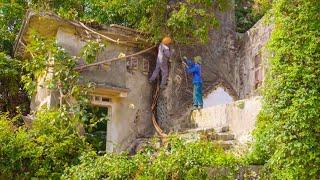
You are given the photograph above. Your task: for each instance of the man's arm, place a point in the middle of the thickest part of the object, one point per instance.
(191, 69)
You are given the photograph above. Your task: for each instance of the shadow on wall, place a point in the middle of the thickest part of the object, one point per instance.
(217, 97)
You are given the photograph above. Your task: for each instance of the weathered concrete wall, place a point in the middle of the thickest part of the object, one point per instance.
(131, 115)
(252, 58)
(239, 116)
(113, 74)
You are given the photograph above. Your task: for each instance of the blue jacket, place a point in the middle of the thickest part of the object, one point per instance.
(195, 70)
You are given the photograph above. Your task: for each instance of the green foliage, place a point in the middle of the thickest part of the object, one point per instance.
(95, 121)
(288, 129)
(186, 21)
(176, 160)
(12, 98)
(44, 150)
(11, 15)
(48, 57)
(246, 14)
(52, 148)
(90, 51)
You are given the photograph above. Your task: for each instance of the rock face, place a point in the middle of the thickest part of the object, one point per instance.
(231, 60)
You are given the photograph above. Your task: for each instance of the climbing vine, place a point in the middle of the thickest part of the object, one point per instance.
(288, 129)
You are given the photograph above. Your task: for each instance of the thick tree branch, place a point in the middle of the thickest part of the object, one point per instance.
(79, 68)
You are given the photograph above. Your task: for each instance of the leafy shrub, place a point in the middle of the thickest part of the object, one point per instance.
(11, 93)
(288, 128)
(176, 160)
(44, 150)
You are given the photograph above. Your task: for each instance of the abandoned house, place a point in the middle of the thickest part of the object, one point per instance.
(231, 61)
(122, 90)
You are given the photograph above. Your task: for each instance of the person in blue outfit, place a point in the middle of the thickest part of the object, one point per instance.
(194, 68)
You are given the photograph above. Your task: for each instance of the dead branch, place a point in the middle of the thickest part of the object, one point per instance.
(104, 36)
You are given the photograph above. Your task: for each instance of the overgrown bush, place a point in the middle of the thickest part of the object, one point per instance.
(176, 160)
(52, 148)
(288, 129)
(44, 150)
(12, 97)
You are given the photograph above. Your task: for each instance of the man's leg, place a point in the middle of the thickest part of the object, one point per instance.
(195, 103)
(164, 73)
(199, 93)
(155, 72)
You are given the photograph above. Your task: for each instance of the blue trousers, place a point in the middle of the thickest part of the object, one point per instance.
(197, 95)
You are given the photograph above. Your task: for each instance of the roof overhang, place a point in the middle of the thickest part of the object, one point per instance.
(111, 91)
(47, 24)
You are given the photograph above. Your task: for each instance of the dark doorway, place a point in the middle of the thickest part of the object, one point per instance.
(96, 127)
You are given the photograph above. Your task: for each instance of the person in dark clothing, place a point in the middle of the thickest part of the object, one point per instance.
(164, 54)
(194, 68)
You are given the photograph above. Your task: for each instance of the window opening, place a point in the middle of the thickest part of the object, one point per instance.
(101, 100)
(134, 63)
(145, 66)
(105, 99)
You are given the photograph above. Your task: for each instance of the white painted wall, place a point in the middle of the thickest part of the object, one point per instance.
(239, 116)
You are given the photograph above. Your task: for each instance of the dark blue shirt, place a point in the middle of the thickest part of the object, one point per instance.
(195, 70)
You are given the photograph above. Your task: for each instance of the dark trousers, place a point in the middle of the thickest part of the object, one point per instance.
(163, 67)
(197, 95)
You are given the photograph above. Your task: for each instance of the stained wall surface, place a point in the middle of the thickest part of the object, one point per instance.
(252, 57)
(131, 115)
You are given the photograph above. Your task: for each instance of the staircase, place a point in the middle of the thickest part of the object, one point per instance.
(221, 136)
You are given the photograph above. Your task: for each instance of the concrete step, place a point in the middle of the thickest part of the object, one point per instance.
(223, 129)
(226, 144)
(222, 136)
(225, 139)
(200, 130)
(209, 129)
